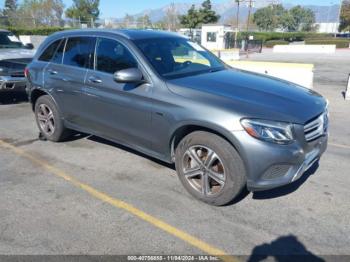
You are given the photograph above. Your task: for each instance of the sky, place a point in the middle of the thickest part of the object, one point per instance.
(118, 8)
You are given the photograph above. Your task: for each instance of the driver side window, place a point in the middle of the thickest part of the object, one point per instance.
(111, 56)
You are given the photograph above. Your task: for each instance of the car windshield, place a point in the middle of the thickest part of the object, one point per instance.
(9, 40)
(178, 57)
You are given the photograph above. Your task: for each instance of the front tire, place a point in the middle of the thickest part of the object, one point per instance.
(49, 120)
(210, 168)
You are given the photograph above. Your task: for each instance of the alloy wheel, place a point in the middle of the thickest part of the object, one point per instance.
(46, 119)
(204, 170)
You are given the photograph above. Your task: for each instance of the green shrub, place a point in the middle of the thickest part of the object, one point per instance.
(272, 43)
(36, 31)
(287, 36)
(340, 43)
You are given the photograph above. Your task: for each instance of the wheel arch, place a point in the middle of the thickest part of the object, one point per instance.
(36, 93)
(186, 128)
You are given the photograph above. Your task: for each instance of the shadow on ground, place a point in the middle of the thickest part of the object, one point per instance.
(260, 195)
(132, 151)
(284, 249)
(8, 98)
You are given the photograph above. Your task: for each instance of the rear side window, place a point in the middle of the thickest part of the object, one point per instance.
(111, 56)
(47, 55)
(58, 56)
(79, 52)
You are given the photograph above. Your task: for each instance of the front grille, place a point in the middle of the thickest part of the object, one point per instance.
(17, 74)
(316, 128)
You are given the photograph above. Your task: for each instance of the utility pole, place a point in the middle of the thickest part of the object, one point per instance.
(339, 16)
(237, 23)
(250, 5)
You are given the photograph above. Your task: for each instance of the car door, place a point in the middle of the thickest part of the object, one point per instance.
(118, 111)
(66, 74)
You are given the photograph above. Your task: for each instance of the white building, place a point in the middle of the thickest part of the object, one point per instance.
(213, 36)
(331, 28)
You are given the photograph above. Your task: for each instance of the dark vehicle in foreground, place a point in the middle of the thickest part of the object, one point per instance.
(14, 57)
(169, 98)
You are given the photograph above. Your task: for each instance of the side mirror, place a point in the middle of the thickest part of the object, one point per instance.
(29, 46)
(130, 75)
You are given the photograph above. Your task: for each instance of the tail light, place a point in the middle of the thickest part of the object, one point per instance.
(26, 72)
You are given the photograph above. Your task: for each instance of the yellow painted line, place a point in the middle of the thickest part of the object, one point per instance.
(201, 245)
(270, 64)
(339, 145)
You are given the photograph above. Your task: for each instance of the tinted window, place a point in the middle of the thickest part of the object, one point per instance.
(79, 51)
(9, 40)
(57, 58)
(49, 52)
(112, 56)
(178, 57)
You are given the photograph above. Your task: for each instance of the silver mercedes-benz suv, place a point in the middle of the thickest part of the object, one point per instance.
(163, 95)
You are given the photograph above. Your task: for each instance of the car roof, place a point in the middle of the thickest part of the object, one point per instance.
(132, 34)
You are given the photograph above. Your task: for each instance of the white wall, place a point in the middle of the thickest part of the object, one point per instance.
(331, 28)
(36, 40)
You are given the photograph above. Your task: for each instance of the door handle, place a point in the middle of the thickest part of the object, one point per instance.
(52, 72)
(93, 79)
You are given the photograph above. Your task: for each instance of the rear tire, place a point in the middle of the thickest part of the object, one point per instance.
(49, 120)
(210, 168)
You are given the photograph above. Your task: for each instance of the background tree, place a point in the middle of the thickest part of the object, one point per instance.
(275, 17)
(269, 18)
(345, 17)
(128, 21)
(207, 15)
(171, 18)
(161, 25)
(263, 18)
(85, 10)
(204, 15)
(144, 22)
(192, 19)
(34, 13)
(9, 11)
(302, 19)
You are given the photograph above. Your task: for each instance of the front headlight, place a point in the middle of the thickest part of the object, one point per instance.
(270, 131)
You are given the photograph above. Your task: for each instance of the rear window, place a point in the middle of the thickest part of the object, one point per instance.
(47, 55)
(79, 52)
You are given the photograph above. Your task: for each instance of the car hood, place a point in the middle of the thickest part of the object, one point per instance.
(16, 53)
(252, 95)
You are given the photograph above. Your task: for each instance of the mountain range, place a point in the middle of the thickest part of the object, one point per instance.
(227, 10)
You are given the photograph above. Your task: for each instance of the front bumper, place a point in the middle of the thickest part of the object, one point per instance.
(15, 84)
(271, 165)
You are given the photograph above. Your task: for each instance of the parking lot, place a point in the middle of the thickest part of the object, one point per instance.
(90, 196)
